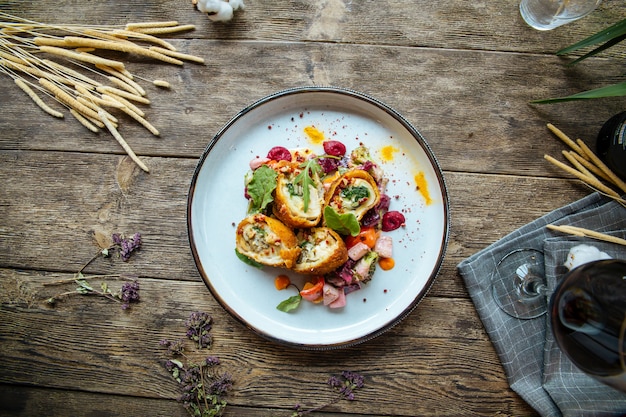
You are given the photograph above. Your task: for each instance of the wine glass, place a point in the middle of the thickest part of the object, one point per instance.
(518, 284)
(588, 318)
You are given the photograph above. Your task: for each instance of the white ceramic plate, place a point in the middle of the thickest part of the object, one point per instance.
(216, 204)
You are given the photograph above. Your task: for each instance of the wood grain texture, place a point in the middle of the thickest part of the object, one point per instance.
(463, 73)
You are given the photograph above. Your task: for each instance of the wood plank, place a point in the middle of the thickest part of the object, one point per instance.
(455, 25)
(90, 344)
(111, 195)
(471, 106)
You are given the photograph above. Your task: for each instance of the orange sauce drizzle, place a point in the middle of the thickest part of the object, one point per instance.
(422, 187)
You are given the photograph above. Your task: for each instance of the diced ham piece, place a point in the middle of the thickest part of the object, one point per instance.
(357, 251)
(384, 247)
(330, 294)
(362, 269)
(258, 161)
(340, 301)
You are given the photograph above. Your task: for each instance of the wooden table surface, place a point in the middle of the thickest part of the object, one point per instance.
(462, 72)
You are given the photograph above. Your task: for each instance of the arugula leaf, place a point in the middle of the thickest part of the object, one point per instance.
(290, 303)
(247, 260)
(261, 187)
(305, 179)
(341, 223)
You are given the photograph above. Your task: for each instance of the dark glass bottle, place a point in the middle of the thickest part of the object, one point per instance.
(611, 144)
(588, 317)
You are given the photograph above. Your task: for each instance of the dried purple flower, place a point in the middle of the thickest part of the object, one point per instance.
(174, 347)
(212, 361)
(199, 325)
(126, 246)
(129, 294)
(221, 384)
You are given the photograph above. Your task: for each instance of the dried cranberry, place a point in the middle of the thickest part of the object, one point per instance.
(370, 218)
(385, 202)
(392, 220)
(329, 164)
(279, 153)
(334, 148)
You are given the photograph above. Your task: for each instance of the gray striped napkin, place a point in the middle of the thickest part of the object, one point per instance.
(534, 365)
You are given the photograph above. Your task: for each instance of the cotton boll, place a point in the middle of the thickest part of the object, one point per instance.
(217, 10)
(583, 254)
(236, 4)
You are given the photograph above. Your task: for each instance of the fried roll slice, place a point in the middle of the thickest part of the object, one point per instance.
(267, 241)
(354, 192)
(289, 200)
(323, 251)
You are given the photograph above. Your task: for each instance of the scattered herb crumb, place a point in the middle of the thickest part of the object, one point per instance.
(344, 386)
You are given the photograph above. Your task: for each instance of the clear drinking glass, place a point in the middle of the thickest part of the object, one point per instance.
(549, 14)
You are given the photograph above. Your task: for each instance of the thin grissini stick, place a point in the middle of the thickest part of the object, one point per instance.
(164, 30)
(46, 41)
(590, 166)
(96, 108)
(120, 47)
(124, 86)
(140, 25)
(79, 50)
(124, 102)
(13, 58)
(112, 71)
(559, 134)
(83, 56)
(161, 83)
(580, 167)
(67, 98)
(614, 178)
(123, 77)
(588, 180)
(579, 231)
(35, 72)
(102, 35)
(134, 97)
(141, 121)
(122, 142)
(144, 37)
(98, 100)
(26, 88)
(68, 71)
(176, 54)
(83, 121)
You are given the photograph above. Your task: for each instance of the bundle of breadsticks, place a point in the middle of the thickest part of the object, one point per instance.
(588, 167)
(61, 62)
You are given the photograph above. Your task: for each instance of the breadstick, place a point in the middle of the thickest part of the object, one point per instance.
(588, 180)
(122, 142)
(164, 30)
(566, 139)
(67, 99)
(122, 93)
(69, 71)
(93, 106)
(83, 121)
(614, 178)
(26, 88)
(161, 83)
(122, 71)
(140, 25)
(179, 55)
(83, 56)
(98, 100)
(124, 102)
(141, 121)
(579, 231)
(580, 167)
(124, 78)
(144, 37)
(121, 47)
(590, 166)
(124, 86)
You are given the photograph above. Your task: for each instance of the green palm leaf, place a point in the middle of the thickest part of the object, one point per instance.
(615, 90)
(606, 35)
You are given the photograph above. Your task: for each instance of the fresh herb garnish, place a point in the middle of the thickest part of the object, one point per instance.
(355, 194)
(260, 188)
(311, 168)
(345, 224)
(247, 260)
(290, 303)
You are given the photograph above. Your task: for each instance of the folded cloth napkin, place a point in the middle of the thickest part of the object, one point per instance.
(535, 367)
